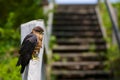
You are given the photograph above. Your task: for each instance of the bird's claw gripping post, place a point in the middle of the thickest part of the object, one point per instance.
(35, 56)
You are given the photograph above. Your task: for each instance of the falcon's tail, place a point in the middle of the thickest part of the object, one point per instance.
(22, 69)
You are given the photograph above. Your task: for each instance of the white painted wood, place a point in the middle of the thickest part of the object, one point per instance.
(50, 19)
(34, 70)
(48, 10)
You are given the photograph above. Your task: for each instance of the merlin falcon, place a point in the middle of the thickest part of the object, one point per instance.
(30, 47)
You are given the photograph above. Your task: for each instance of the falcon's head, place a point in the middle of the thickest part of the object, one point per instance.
(38, 31)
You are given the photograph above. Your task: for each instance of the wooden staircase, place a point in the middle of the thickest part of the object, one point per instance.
(80, 44)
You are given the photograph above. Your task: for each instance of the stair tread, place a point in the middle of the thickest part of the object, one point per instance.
(78, 54)
(76, 72)
(73, 13)
(77, 33)
(78, 40)
(77, 28)
(75, 47)
(76, 8)
(85, 16)
(76, 22)
(73, 23)
(78, 57)
(77, 63)
(59, 18)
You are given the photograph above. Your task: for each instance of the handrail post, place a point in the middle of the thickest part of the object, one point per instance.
(48, 6)
(35, 68)
(49, 12)
(50, 19)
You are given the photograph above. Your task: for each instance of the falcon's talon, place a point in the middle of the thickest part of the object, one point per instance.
(35, 58)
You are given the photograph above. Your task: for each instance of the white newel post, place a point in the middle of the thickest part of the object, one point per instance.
(35, 69)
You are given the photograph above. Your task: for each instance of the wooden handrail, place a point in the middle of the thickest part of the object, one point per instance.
(113, 21)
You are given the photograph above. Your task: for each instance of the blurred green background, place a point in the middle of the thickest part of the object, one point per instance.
(12, 14)
(15, 12)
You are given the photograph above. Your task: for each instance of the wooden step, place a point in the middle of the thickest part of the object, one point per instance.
(81, 77)
(73, 13)
(83, 48)
(79, 41)
(81, 73)
(76, 28)
(74, 18)
(75, 8)
(78, 34)
(77, 57)
(79, 10)
(76, 47)
(67, 25)
(90, 54)
(75, 24)
(83, 63)
(58, 18)
(85, 16)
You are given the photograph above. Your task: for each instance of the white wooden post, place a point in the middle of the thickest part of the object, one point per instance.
(35, 69)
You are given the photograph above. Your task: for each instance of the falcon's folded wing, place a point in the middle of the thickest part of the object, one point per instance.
(26, 50)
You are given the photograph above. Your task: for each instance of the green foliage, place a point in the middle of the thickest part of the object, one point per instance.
(113, 53)
(52, 41)
(92, 47)
(114, 60)
(56, 57)
(113, 49)
(22, 11)
(8, 40)
(8, 69)
(106, 18)
(12, 14)
(53, 77)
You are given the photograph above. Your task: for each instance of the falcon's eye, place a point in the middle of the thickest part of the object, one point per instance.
(41, 33)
